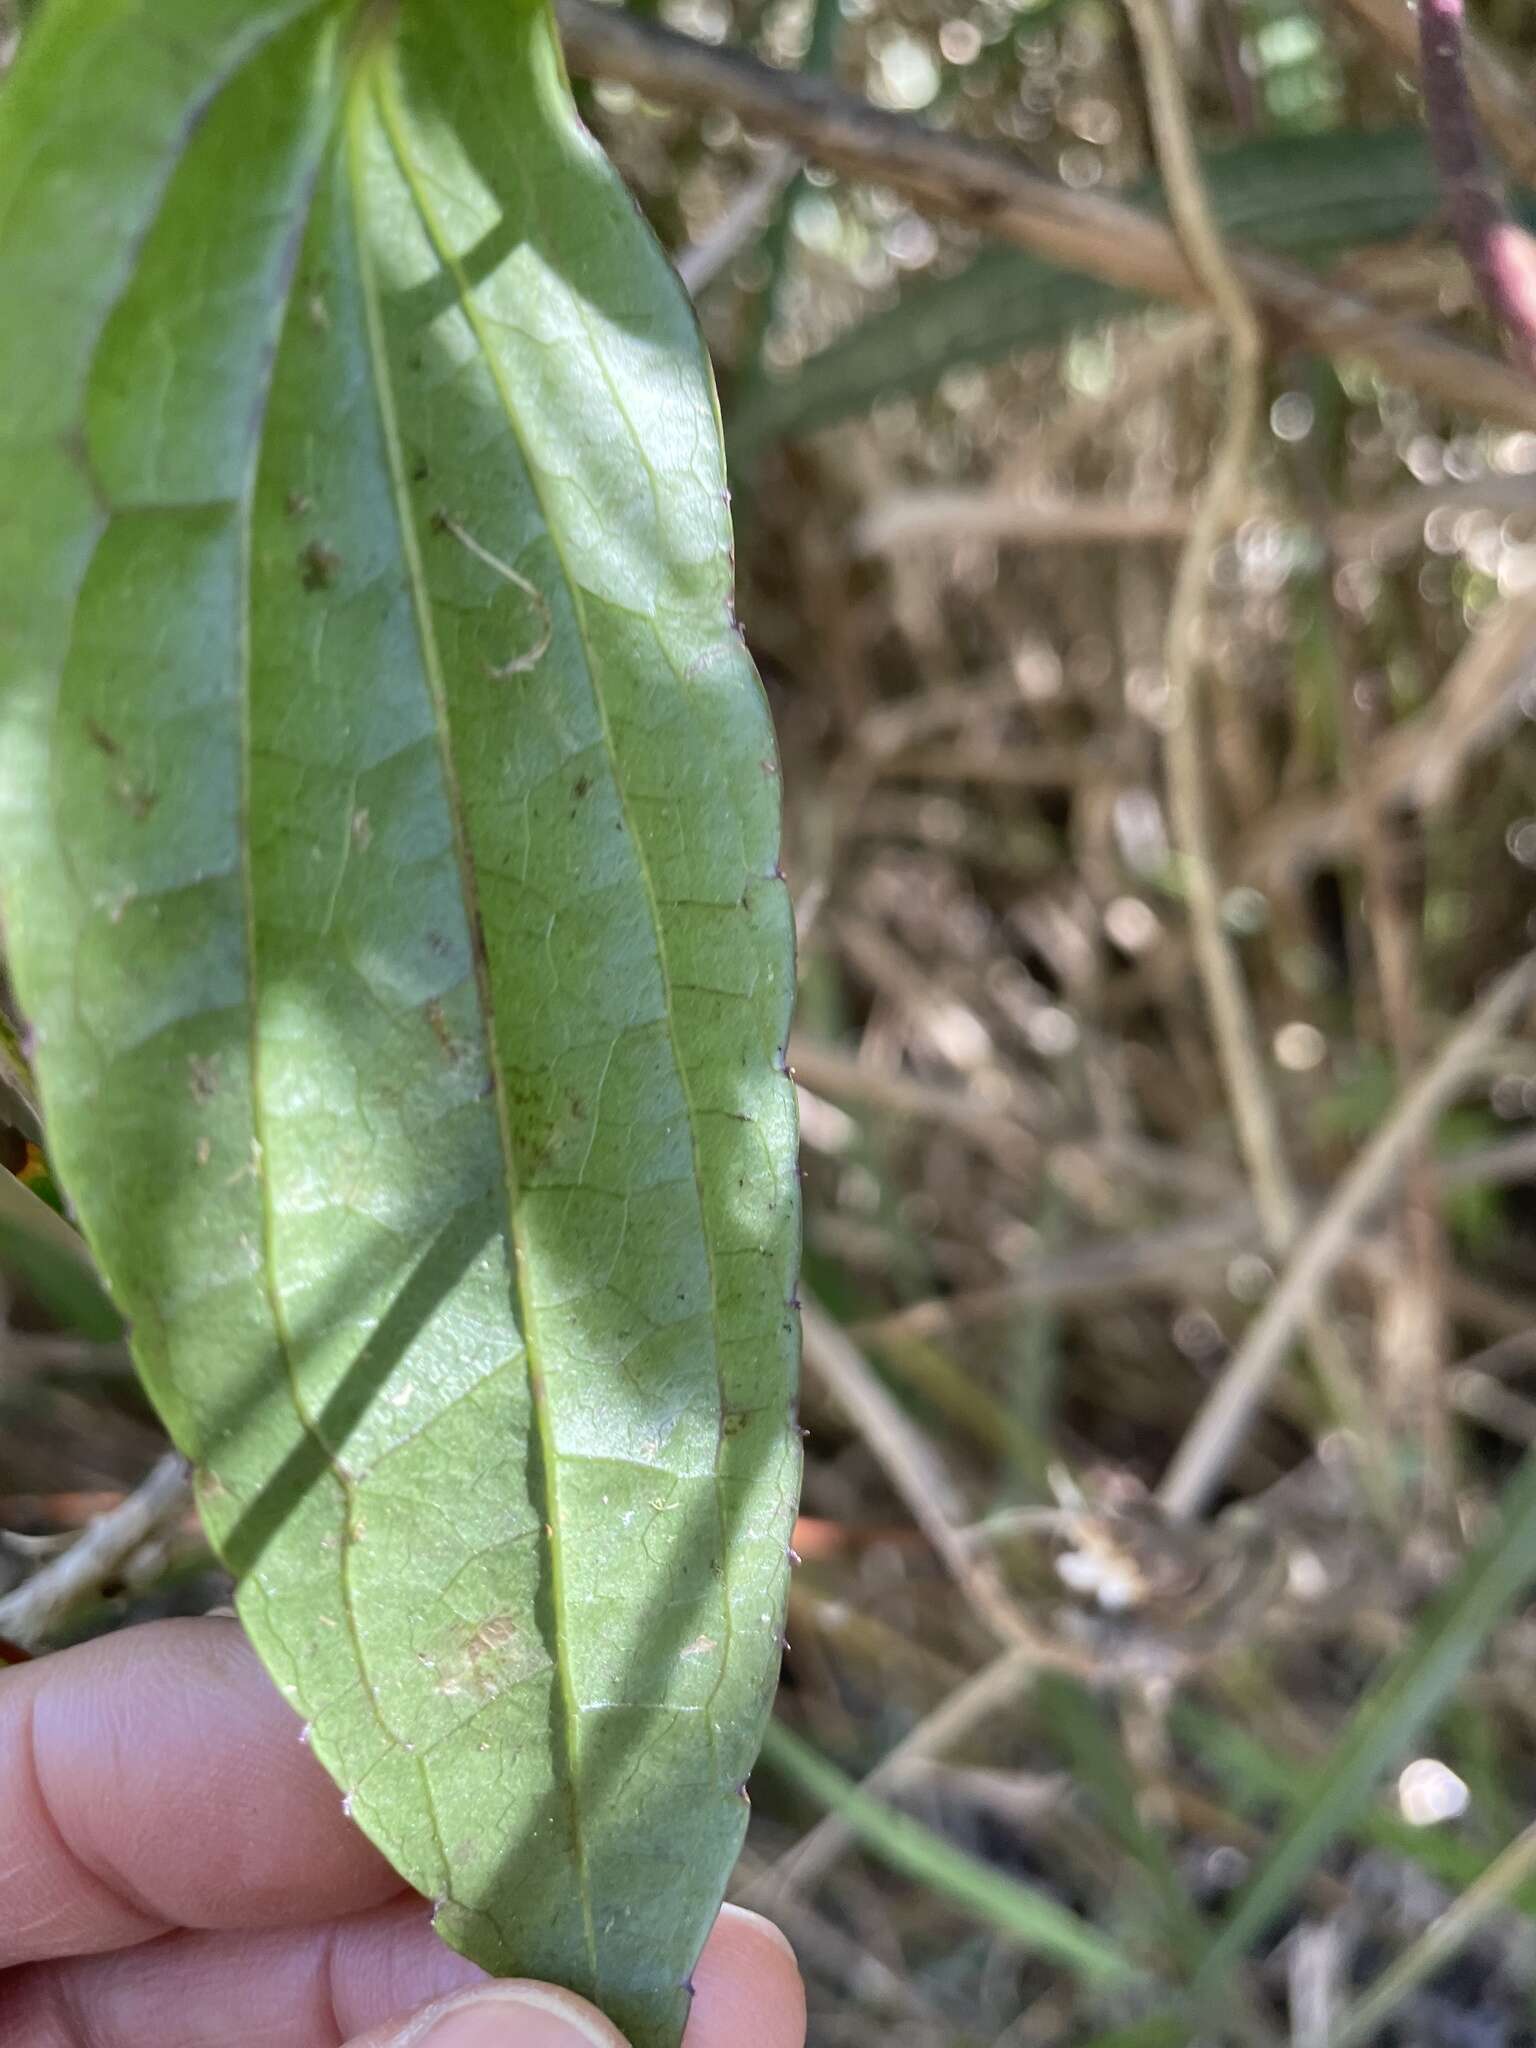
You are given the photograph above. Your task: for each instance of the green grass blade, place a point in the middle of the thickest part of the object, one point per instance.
(906, 1845)
(1445, 1938)
(1418, 1683)
(1169, 2030)
(1079, 1725)
(1257, 1781)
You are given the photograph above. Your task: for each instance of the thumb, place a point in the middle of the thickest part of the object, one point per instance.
(499, 2015)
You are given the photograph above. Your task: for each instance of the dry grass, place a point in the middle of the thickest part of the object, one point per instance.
(1036, 1245)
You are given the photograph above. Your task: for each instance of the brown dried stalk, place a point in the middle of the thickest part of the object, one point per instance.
(1500, 255)
(1202, 1457)
(32, 1613)
(992, 191)
(1506, 108)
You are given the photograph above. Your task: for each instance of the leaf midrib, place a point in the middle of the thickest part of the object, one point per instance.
(393, 124)
(366, 85)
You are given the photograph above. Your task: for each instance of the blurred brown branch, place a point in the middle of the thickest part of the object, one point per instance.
(30, 1614)
(1217, 1429)
(918, 1474)
(1040, 518)
(1186, 661)
(1499, 253)
(1420, 761)
(997, 1686)
(1507, 109)
(1155, 1260)
(992, 191)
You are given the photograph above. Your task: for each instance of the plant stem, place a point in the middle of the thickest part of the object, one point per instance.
(1500, 255)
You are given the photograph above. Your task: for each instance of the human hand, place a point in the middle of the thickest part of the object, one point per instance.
(176, 1872)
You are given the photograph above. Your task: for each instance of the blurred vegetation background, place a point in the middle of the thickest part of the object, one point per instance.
(1159, 1665)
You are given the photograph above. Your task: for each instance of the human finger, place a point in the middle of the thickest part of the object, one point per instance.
(747, 1994)
(156, 1779)
(365, 1981)
(309, 1987)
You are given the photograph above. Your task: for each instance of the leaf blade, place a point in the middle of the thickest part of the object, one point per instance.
(448, 1097)
(38, 1246)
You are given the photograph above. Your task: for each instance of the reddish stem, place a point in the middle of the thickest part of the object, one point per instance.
(1500, 255)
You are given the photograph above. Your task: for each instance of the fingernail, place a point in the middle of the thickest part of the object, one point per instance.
(511, 2016)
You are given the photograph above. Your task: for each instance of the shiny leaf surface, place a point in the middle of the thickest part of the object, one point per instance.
(389, 817)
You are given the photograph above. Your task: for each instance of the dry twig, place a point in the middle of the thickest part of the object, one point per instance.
(1090, 1272)
(1227, 485)
(1421, 761)
(1223, 1419)
(1508, 111)
(990, 190)
(1500, 255)
(1040, 518)
(996, 1686)
(32, 1613)
(702, 262)
(1179, 1256)
(918, 1475)
(1411, 1314)
(1226, 489)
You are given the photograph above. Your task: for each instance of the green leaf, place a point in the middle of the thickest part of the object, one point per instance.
(18, 1106)
(1017, 1910)
(1309, 197)
(38, 1247)
(1419, 1682)
(389, 816)
(1172, 2030)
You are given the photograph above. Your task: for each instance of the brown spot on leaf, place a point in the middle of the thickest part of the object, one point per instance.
(494, 1635)
(135, 799)
(319, 565)
(450, 1047)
